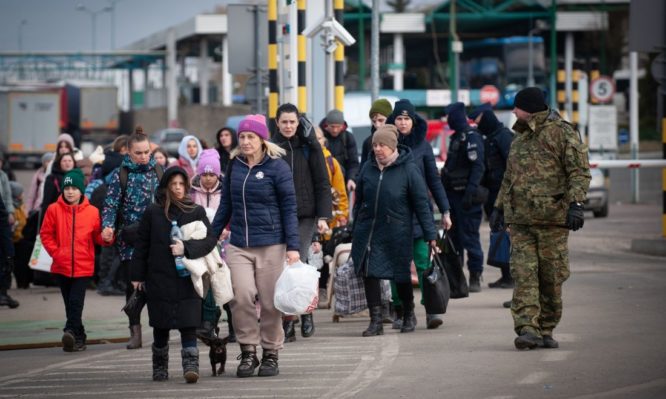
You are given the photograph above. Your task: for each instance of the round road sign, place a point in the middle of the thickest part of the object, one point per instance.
(602, 89)
(489, 94)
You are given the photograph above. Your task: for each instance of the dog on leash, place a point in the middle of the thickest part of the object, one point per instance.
(217, 353)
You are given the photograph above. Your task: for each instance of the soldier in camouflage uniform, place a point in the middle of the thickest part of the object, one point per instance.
(541, 198)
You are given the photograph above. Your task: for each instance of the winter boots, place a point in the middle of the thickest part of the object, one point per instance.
(397, 319)
(248, 361)
(269, 364)
(408, 318)
(6, 300)
(289, 330)
(376, 327)
(135, 337)
(160, 363)
(190, 356)
(307, 325)
(527, 340)
(474, 281)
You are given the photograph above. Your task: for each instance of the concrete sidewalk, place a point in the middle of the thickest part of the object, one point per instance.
(39, 320)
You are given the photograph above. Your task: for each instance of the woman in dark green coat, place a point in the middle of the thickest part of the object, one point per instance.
(389, 191)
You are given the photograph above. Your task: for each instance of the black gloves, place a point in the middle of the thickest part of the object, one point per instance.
(496, 220)
(575, 217)
(467, 200)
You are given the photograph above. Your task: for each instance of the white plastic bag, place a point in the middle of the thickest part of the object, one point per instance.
(297, 289)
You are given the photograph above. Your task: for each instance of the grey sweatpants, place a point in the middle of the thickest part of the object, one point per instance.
(254, 272)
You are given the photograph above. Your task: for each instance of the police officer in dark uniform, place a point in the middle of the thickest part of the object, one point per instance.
(462, 176)
(497, 142)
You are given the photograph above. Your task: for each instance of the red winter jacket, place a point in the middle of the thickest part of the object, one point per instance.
(69, 233)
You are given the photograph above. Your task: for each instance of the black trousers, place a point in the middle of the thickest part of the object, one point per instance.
(73, 291)
(373, 292)
(188, 337)
(133, 320)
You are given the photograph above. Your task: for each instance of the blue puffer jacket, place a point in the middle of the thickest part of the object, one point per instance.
(142, 182)
(260, 202)
(424, 159)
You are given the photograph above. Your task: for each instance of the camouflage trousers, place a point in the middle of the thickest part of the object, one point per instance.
(539, 266)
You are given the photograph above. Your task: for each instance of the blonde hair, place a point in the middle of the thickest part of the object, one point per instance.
(273, 150)
(320, 134)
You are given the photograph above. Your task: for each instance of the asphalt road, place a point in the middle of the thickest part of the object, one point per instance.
(611, 344)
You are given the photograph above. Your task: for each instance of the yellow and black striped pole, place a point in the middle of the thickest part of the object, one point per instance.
(338, 13)
(272, 59)
(302, 91)
(575, 96)
(561, 92)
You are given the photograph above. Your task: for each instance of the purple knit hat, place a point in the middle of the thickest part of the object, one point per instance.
(255, 124)
(209, 162)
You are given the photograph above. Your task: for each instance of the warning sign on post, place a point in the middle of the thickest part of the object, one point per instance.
(602, 128)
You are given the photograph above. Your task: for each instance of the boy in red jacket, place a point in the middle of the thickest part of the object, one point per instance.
(69, 232)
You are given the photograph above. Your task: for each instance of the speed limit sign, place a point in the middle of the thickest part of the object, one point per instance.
(602, 89)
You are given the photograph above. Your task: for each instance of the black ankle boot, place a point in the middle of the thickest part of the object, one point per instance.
(397, 318)
(376, 327)
(269, 364)
(307, 325)
(387, 313)
(474, 281)
(408, 319)
(289, 331)
(248, 361)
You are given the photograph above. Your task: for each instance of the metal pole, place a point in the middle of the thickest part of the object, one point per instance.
(553, 54)
(227, 85)
(171, 83)
(113, 24)
(568, 72)
(374, 51)
(398, 61)
(94, 30)
(453, 62)
(257, 62)
(361, 47)
(203, 71)
(530, 65)
(633, 120)
(20, 46)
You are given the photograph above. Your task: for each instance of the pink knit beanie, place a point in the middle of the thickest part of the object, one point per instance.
(255, 124)
(209, 162)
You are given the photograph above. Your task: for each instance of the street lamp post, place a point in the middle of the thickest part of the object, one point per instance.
(93, 18)
(23, 23)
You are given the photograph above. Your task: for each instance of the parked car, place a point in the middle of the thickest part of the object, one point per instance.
(169, 139)
(597, 194)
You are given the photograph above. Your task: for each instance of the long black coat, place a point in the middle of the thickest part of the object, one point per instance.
(172, 301)
(306, 160)
(385, 203)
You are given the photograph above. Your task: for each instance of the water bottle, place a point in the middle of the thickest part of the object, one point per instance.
(176, 234)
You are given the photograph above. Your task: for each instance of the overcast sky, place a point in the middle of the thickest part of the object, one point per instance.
(56, 25)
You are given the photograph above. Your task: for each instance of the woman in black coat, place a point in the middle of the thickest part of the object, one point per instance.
(389, 191)
(314, 203)
(172, 301)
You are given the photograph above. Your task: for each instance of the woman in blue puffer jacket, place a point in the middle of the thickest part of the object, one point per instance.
(259, 200)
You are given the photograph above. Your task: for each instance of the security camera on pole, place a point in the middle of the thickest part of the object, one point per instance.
(331, 32)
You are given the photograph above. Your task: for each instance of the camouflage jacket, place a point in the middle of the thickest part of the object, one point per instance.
(547, 169)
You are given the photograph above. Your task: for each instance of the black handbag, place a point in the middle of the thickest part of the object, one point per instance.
(451, 260)
(135, 304)
(436, 289)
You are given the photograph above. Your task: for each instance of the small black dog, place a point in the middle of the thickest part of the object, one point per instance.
(218, 352)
